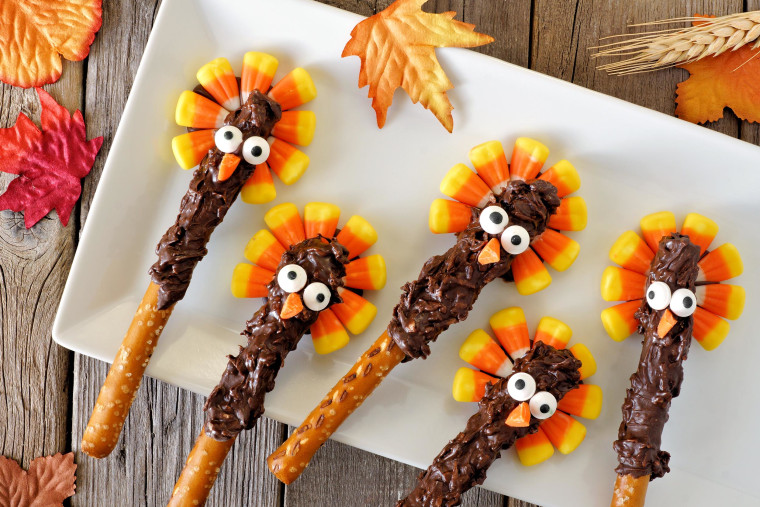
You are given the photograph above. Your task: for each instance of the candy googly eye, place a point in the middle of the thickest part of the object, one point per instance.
(543, 405)
(683, 303)
(316, 297)
(292, 278)
(658, 295)
(493, 219)
(515, 239)
(255, 150)
(228, 139)
(521, 386)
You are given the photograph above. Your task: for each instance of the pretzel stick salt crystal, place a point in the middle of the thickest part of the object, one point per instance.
(202, 467)
(124, 377)
(630, 491)
(343, 398)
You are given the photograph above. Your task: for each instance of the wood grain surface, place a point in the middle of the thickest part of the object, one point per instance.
(47, 392)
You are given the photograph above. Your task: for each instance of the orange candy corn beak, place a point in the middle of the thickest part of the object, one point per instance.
(292, 307)
(491, 252)
(228, 166)
(519, 417)
(667, 321)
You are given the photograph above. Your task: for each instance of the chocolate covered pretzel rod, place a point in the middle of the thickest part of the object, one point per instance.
(497, 219)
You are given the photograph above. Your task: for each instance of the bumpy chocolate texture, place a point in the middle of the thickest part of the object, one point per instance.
(449, 284)
(206, 203)
(660, 372)
(237, 401)
(463, 463)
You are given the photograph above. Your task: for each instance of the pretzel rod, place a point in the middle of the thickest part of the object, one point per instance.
(630, 491)
(290, 459)
(200, 472)
(124, 377)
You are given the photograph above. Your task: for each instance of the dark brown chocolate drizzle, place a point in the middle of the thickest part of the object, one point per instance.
(206, 203)
(464, 461)
(660, 372)
(449, 284)
(237, 401)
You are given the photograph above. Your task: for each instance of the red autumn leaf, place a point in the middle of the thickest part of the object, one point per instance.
(50, 163)
(49, 481)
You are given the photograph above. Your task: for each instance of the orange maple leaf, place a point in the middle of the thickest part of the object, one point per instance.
(34, 34)
(396, 48)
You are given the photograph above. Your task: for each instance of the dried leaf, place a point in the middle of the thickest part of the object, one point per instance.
(49, 481)
(50, 163)
(396, 48)
(727, 80)
(34, 34)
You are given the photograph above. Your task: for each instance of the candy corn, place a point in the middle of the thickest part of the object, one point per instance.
(470, 385)
(564, 177)
(631, 252)
(285, 223)
(198, 112)
(588, 363)
(511, 330)
(571, 215)
(709, 329)
(250, 281)
(219, 80)
(293, 90)
(258, 72)
(556, 249)
(491, 164)
(530, 274)
(227, 166)
(288, 162)
(485, 354)
(553, 332)
(619, 320)
(320, 218)
(355, 312)
(366, 273)
(259, 188)
(328, 333)
(357, 235)
(296, 127)
(620, 284)
(657, 225)
(491, 252)
(564, 432)
(465, 186)
(720, 264)
(528, 157)
(189, 149)
(700, 229)
(721, 299)
(449, 216)
(264, 249)
(534, 449)
(586, 401)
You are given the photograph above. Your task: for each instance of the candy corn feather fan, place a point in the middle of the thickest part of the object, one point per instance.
(494, 359)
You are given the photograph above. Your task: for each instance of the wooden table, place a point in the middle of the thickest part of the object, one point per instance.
(47, 392)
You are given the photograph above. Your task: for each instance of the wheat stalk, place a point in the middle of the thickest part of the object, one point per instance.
(659, 49)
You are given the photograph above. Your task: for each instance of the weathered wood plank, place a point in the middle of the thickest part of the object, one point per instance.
(750, 132)
(34, 264)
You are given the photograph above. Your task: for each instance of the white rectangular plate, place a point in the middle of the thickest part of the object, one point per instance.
(632, 161)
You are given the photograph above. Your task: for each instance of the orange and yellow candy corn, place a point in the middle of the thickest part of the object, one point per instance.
(720, 264)
(449, 216)
(485, 354)
(721, 299)
(620, 284)
(190, 148)
(470, 385)
(528, 157)
(250, 281)
(327, 333)
(529, 273)
(198, 112)
(556, 249)
(709, 329)
(553, 332)
(588, 363)
(288, 162)
(285, 223)
(357, 235)
(259, 188)
(585, 401)
(511, 330)
(296, 127)
(294, 89)
(465, 186)
(564, 177)
(700, 229)
(355, 312)
(258, 72)
(366, 273)
(534, 449)
(619, 320)
(657, 225)
(571, 215)
(264, 249)
(491, 164)
(320, 218)
(631, 252)
(564, 432)
(219, 80)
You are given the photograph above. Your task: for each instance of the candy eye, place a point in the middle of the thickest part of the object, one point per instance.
(683, 303)
(521, 386)
(291, 278)
(228, 139)
(255, 150)
(658, 295)
(543, 405)
(316, 297)
(493, 219)
(515, 240)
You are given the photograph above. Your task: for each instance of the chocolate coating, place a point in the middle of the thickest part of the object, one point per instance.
(237, 401)
(206, 203)
(449, 284)
(464, 461)
(660, 372)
